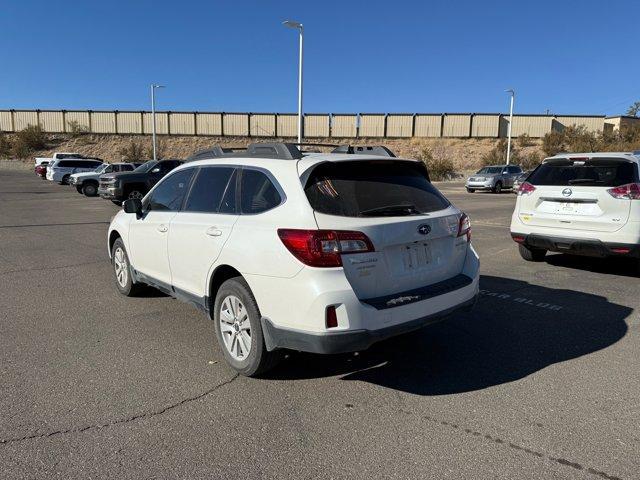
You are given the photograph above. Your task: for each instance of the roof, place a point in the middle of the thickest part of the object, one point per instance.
(629, 155)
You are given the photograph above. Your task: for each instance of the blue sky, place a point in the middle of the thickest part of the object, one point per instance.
(567, 56)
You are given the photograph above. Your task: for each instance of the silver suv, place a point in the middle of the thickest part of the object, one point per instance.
(494, 178)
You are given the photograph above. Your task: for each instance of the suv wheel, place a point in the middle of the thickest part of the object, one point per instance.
(135, 194)
(471, 190)
(79, 189)
(239, 331)
(90, 189)
(122, 270)
(531, 254)
(65, 180)
(497, 188)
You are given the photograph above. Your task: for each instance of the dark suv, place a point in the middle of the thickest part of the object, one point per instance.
(120, 186)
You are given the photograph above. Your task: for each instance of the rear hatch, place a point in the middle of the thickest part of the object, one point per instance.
(412, 226)
(572, 193)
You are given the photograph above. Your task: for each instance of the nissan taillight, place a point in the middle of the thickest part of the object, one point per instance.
(630, 191)
(526, 189)
(323, 248)
(464, 226)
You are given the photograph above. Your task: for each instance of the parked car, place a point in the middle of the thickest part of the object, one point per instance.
(322, 253)
(87, 182)
(519, 180)
(60, 171)
(41, 169)
(580, 204)
(118, 187)
(57, 156)
(493, 178)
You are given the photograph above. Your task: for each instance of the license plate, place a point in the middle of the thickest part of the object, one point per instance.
(416, 256)
(567, 207)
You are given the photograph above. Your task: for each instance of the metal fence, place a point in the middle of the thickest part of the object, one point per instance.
(316, 125)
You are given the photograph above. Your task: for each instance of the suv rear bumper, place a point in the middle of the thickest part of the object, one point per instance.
(350, 340)
(589, 247)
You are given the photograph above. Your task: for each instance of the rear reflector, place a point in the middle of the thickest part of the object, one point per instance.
(620, 250)
(323, 248)
(332, 317)
(526, 189)
(630, 191)
(518, 238)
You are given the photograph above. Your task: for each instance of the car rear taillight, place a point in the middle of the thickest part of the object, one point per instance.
(630, 191)
(323, 248)
(464, 226)
(526, 189)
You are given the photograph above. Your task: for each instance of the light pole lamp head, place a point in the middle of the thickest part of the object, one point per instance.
(292, 24)
(157, 86)
(511, 91)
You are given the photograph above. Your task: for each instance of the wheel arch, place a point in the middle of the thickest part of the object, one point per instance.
(221, 274)
(113, 236)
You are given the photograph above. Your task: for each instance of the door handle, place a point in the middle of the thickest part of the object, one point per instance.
(214, 232)
(162, 228)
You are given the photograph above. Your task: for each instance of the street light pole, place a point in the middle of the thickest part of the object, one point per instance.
(300, 29)
(513, 94)
(153, 118)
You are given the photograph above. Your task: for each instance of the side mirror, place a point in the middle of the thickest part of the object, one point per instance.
(133, 205)
(505, 172)
(155, 170)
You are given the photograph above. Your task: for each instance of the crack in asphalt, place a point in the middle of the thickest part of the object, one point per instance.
(122, 420)
(500, 441)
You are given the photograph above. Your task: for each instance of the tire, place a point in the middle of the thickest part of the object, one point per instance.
(65, 180)
(471, 190)
(135, 193)
(79, 189)
(90, 189)
(122, 270)
(532, 254)
(235, 295)
(497, 187)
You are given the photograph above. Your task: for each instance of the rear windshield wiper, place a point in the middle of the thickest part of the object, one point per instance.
(391, 210)
(584, 180)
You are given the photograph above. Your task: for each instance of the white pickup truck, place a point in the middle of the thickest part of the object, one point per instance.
(57, 156)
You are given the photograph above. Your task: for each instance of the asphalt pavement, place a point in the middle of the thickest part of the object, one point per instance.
(540, 381)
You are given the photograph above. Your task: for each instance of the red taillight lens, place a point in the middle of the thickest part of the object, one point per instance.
(322, 248)
(464, 226)
(630, 191)
(332, 317)
(518, 238)
(526, 189)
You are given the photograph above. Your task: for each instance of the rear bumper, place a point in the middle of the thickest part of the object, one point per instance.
(589, 247)
(348, 341)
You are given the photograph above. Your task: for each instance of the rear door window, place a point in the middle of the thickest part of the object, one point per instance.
(596, 172)
(213, 191)
(373, 189)
(258, 193)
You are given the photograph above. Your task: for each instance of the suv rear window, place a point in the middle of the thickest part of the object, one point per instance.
(595, 172)
(375, 188)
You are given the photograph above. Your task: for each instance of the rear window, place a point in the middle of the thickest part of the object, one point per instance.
(596, 172)
(373, 189)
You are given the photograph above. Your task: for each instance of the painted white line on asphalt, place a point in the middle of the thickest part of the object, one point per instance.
(525, 301)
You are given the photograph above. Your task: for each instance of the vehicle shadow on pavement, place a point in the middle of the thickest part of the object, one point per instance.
(612, 265)
(515, 330)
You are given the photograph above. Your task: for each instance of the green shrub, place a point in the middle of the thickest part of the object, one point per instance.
(5, 146)
(133, 152)
(75, 129)
(530, 161)
(30, 139)
(553, 143)
(438, 162)
(525, 140)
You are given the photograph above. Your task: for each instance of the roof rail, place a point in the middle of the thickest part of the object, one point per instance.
(364, 150)
(285, 151)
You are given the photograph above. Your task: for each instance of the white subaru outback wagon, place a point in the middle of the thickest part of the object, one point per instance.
(581, 204)
(314, 252)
